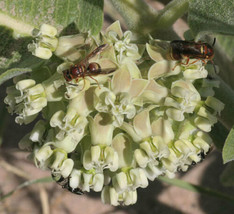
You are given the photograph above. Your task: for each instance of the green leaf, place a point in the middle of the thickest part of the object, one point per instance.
(219, 134)
(27, 64)
(13, 73)
(228, 149)
(14, 56)
(224, 58)
(227, 177)
(24, 15)
(90, 15)
(227, 45)
(211, 16)
(196, 188)
(226, 95)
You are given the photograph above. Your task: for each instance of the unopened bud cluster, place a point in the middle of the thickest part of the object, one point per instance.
(114, 133)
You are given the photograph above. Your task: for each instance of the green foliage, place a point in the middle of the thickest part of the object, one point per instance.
(227, 177)
(227, 44)
(13, 73)
(211, 16)
(86, 14)
(14, 56)
(219, 134)
(228, 149)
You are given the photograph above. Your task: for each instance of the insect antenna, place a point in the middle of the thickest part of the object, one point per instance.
(214, 42)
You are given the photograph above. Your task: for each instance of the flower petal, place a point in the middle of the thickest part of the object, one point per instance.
(154, 93)
(156, 53)
(163, 68)
(101, 129)
(123, 146)
(163, 128)
(141, 124)
(116, 28)
(121, 80)
(137, 87)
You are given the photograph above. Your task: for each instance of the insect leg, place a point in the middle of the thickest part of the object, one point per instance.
(95, 81)
(84, 84)
(180, 63)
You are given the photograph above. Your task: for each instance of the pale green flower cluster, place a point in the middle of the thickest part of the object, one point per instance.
(113, 133)
(46, 41)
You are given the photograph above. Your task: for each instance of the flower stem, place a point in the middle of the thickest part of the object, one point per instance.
(144, 20)
(138, 15)
(19, 27)
(169, 14)
(196, 188)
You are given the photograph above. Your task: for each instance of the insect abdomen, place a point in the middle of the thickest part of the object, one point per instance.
(187, 49)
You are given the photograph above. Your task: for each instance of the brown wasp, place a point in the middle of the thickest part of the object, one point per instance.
(84, 68)
(180, 49)
(64, 182)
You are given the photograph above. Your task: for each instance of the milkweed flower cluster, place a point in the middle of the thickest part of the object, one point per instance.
(46, 41)
(114, 133)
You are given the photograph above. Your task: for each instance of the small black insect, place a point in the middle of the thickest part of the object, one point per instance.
(64, 182)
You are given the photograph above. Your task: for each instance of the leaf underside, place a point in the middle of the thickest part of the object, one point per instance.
(228, 149)
(211, 16)
(227, 177)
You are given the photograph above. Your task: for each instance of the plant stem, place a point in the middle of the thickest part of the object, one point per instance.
(169, 14)
(20, 28)
(138, 15)
(144, 20)
(196, 188)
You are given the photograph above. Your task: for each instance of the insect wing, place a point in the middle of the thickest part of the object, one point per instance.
(96, 51)
(100, 71)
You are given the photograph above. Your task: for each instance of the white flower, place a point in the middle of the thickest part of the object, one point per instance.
(125, 50)
(46, 41)
(110, 196)
(120, 101)
(26, 99)
(100, 158)
(183, 100)
(70, 123)
(86, 179)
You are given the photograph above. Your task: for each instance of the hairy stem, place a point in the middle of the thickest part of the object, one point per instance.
(138, 15)
(168, 15)
(20, 28)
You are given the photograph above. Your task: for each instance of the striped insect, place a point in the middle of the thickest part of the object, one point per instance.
(180, 50)
(84, 68)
